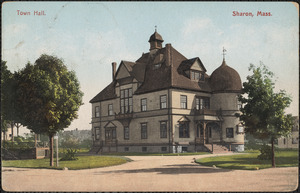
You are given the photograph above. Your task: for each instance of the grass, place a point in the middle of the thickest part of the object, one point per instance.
(249, 161)
(154, 154)
(83, 162)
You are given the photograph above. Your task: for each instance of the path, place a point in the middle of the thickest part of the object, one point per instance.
(151, 173)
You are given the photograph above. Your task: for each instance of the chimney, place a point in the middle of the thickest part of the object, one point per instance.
(114, 66)
(168, 54)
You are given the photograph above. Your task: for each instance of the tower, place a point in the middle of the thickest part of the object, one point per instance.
(155, 41)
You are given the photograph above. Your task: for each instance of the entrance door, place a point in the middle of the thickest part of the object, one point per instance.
(200, 134)
(110, 134)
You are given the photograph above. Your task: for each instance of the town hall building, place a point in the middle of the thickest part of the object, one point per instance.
(165, 102)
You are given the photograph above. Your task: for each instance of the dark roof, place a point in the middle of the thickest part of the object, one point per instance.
(155, 37)
(106, 94)
(170, 74)
(183, 82)
(225, 78)
(187, 64)
(139, 71)
(154, 79)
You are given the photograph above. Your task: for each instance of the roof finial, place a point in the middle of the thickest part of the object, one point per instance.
(155, 28)
(224, 50)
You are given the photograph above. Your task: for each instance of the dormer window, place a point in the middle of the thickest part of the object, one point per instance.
(196, 75)
(156, 66)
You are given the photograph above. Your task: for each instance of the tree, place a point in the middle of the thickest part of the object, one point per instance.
(49, 96)
(9, 108)
(5, 88)
(263, 109)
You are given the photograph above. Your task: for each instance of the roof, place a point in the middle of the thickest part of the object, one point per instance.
(155, 37)
(187, 64)
(106, 94)
(165, 68)
(226, 79)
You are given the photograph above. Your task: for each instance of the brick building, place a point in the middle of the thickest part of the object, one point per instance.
(165, 102)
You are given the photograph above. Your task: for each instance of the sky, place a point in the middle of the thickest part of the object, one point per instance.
(89, 36)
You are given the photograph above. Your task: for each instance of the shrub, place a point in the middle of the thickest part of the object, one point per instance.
(265, 153)
(70, 155)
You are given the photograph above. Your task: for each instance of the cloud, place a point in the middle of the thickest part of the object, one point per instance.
(275, 46)
(88, 53)
(195, 25)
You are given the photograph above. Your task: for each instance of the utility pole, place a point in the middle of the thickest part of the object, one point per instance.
(56, 138)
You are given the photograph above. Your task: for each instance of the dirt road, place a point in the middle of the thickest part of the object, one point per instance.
(151, 173)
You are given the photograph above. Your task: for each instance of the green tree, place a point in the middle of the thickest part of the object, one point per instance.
(263, 109)
(9, 108)
(6, 76)
(49, 95)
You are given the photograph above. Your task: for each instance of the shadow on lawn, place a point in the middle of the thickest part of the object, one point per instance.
(172, 169)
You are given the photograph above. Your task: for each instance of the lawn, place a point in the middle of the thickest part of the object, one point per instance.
(249, 161)
(154, 154)
(83, 162)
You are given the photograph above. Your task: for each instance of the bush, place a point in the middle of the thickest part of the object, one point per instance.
(86, 143)
(70, 155)
(265, 153)
(70, 142)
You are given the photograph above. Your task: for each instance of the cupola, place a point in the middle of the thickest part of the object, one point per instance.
(155, 41)
(225, 79)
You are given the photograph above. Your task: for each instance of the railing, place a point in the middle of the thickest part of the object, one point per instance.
(199, 140)
(123, 116)
(205, 112)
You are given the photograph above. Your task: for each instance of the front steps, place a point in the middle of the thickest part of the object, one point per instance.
(95, 150)
(217, 148)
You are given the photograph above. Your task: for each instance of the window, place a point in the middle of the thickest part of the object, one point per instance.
(202, 103)
(163, 129)
(97, 133)
(163, 148)
(126, 133)
(143, 104)
(144, 149)
(192, 75)
(197, 103)
(240, 105)
(240, 129)
(126, 148)
(295, 140)
(110, 109)
(144, 130)
(126, 100)
(114, 133)
(183, 101)
(295, 128)
(184, 131)
(184, 149)
(202, 76)
(110, 133)
(156, 66)
(229, 132)
(196, 75)
(284, 141)
(163, 101)
(97, 111)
